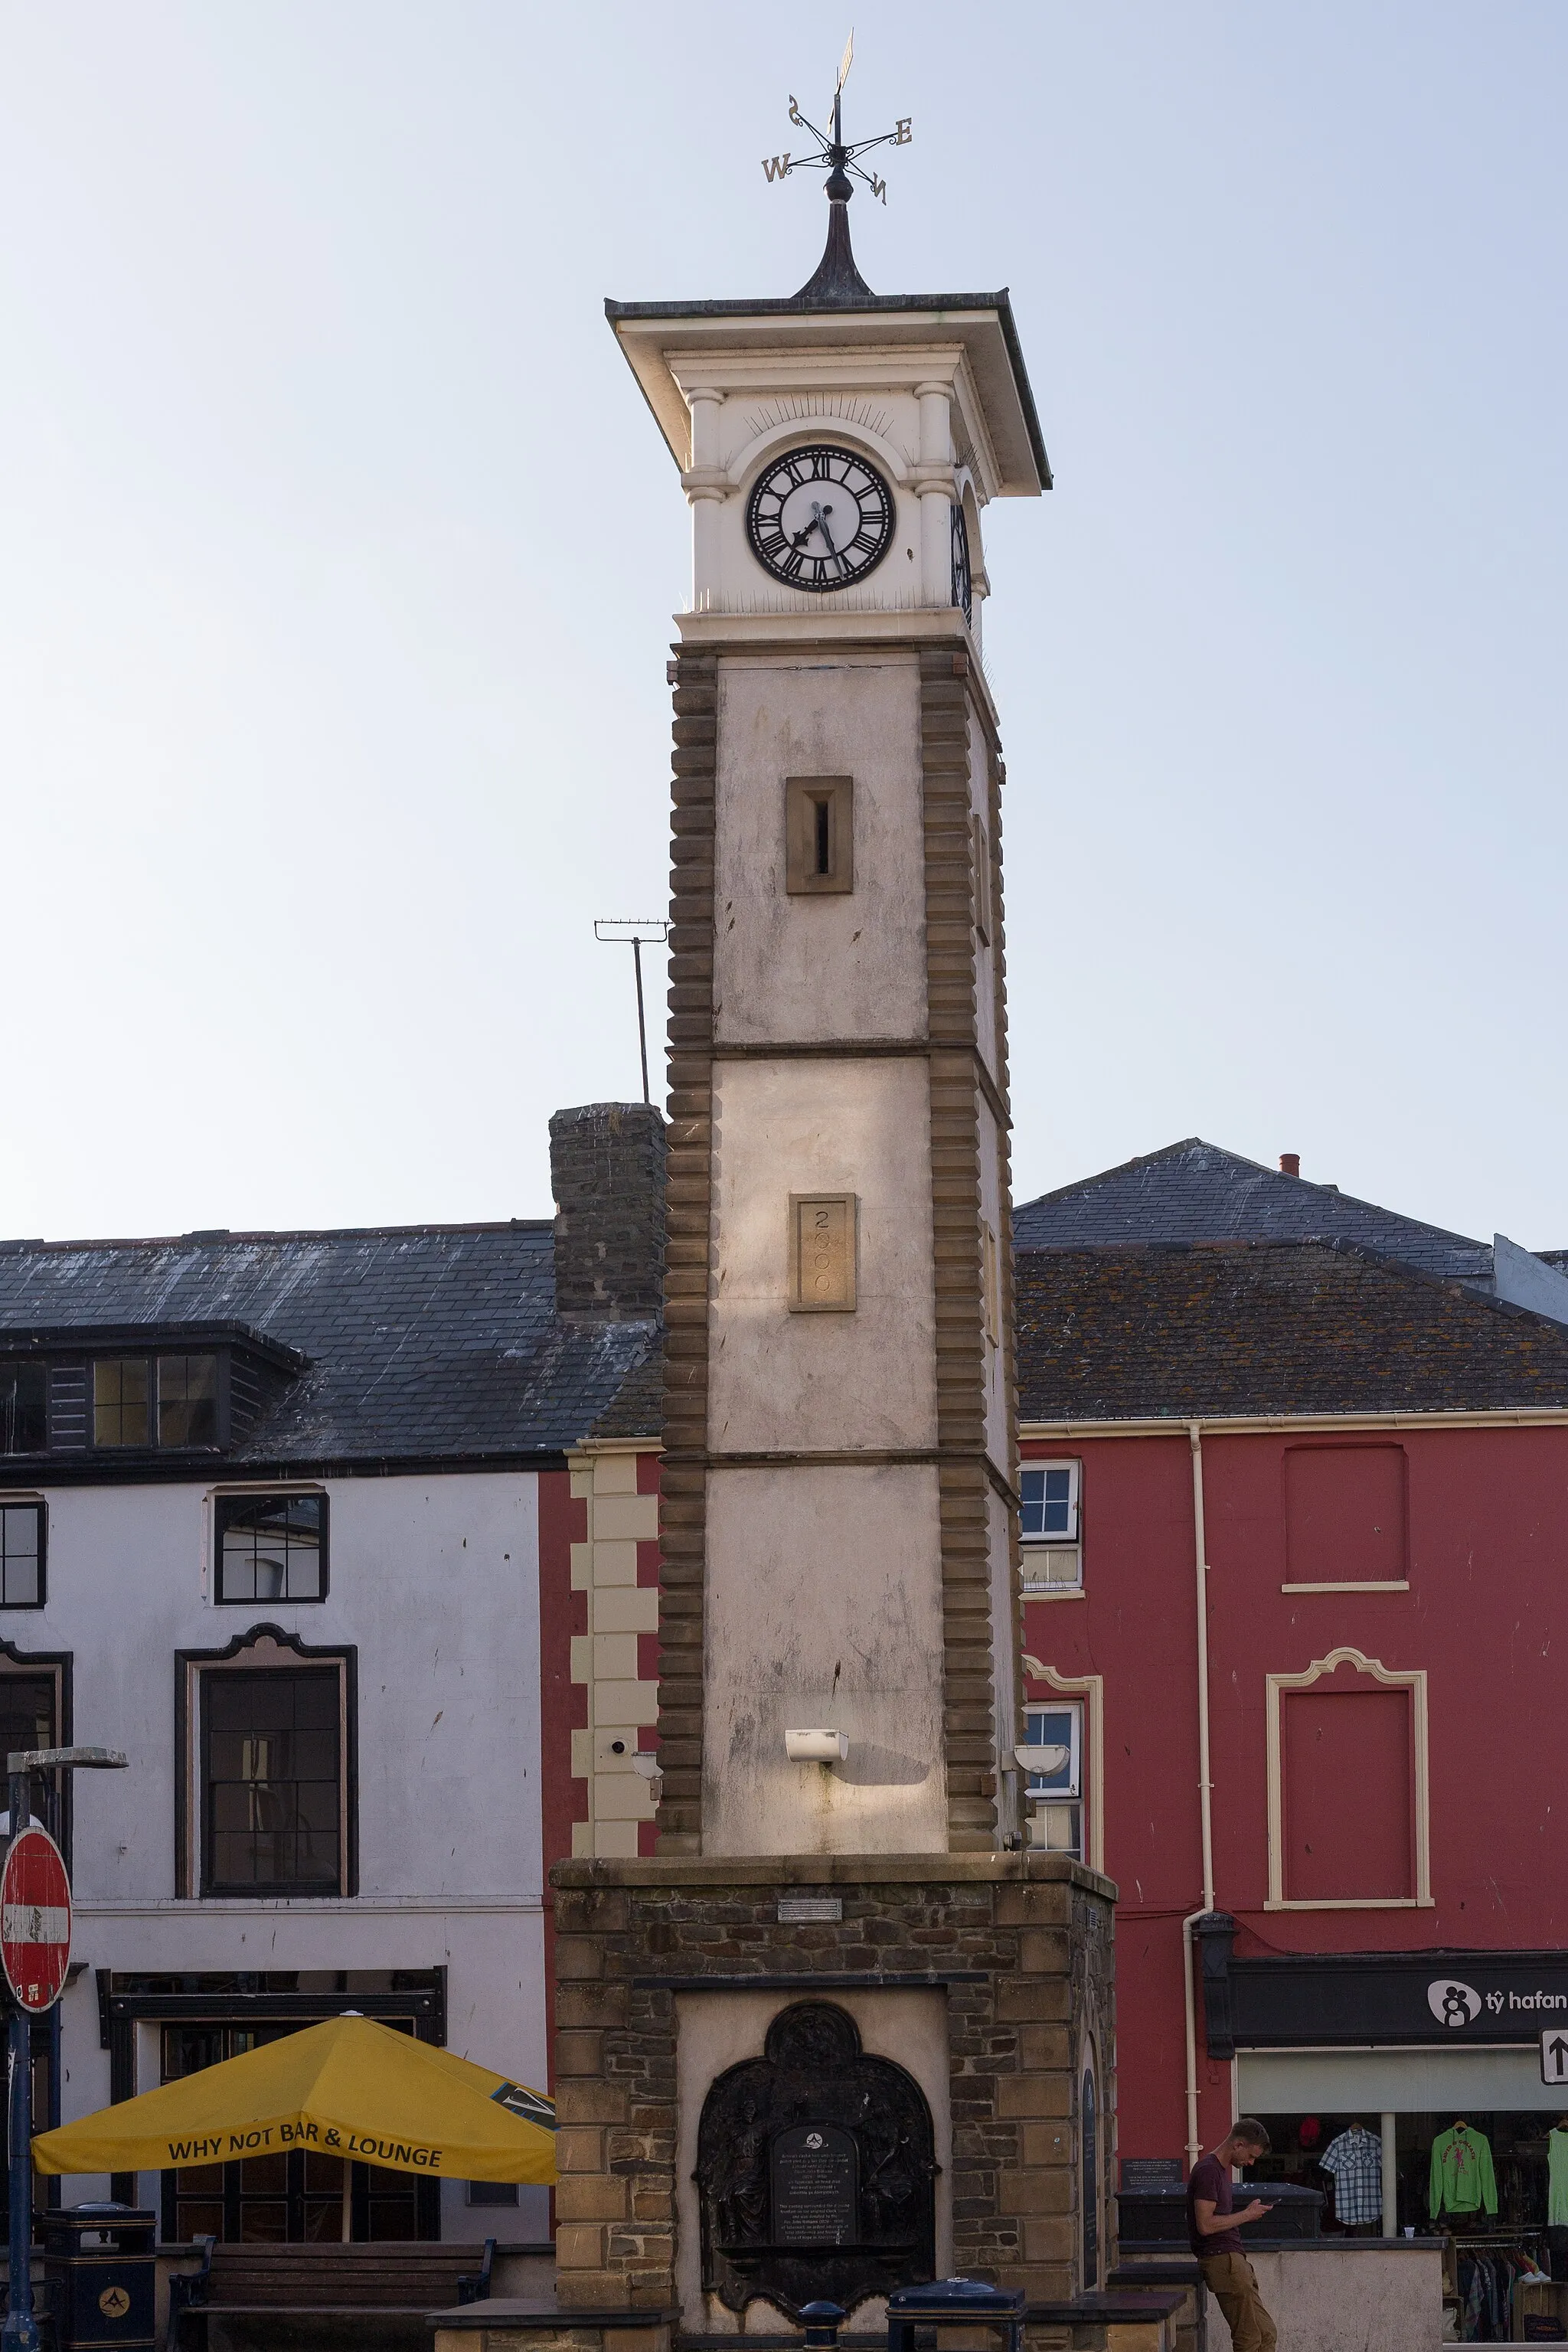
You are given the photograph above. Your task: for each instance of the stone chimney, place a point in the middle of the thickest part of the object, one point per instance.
(606, 1169)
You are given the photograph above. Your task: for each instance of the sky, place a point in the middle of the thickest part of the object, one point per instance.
(339, 557)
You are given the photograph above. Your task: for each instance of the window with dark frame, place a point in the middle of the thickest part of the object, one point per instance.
(123, 1401)
(271, 1741)
(28, 1714)
(180, 1408)
(271, 1547)
(24, 1408)
(187, 1399)
(21, 1555)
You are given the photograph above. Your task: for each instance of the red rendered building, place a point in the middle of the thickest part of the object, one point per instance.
(1296, 1566)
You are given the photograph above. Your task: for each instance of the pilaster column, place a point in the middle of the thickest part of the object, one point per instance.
(707, 486)
(933, 478)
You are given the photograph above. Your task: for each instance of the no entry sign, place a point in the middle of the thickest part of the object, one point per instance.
(35, 1921)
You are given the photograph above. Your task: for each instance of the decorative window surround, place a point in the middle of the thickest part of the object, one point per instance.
(1414, 1680)
(262, 1647)
(1090, 1690)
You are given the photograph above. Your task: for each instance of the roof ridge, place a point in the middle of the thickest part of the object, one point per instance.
(221, 1237)
(1256, 1168)
(1125, 1168)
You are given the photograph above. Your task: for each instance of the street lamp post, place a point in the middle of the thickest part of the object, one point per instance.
(20, 2333)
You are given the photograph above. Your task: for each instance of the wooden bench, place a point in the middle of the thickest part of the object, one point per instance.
(377, 2292)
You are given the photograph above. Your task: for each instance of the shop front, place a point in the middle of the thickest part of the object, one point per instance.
(1408, 2087)
(160, 2028)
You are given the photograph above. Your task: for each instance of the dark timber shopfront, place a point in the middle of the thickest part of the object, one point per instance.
(184, 2023)
(1437, 2053)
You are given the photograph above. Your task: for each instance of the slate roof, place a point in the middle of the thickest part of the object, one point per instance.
(1194, 1191)
(1255, 1327)
(425, 1343)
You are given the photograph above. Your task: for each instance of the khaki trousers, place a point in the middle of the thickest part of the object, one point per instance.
(1233, 2283)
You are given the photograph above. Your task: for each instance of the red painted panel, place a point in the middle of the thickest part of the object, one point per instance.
(1349, 1797)
(1344, 1513)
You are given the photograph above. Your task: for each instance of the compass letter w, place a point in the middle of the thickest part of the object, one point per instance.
(776, 166)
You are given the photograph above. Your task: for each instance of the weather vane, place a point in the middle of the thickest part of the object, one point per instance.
(835, 156)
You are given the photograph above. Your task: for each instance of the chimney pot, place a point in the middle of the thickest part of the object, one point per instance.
(1289, 1163)
(607, 1170)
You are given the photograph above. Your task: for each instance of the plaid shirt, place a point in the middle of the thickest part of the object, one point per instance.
(1356, 2161)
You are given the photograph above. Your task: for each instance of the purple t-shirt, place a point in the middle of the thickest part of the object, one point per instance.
(1210, 2180)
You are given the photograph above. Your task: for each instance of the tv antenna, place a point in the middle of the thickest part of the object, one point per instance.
(836, 154)
(634, 932)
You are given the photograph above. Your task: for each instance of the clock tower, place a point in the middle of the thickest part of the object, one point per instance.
(846, 2029)
(839, 1440)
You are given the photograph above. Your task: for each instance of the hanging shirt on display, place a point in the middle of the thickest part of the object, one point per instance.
(1462, 2176)
(1556, 2176)
(1355, 2162)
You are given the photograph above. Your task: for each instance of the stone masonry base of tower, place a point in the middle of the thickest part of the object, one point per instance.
(987, 1979)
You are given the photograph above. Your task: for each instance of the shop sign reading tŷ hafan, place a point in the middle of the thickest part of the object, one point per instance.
(1327, 2000)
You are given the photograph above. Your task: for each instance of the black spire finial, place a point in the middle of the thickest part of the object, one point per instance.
(835, 279)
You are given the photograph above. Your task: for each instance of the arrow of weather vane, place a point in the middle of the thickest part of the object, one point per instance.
(835, 154)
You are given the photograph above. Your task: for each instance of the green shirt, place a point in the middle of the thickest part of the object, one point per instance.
(1462, 2176)
(1557, 2177)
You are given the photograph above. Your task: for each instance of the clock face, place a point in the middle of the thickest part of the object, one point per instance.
(820, 518)
(963, 578)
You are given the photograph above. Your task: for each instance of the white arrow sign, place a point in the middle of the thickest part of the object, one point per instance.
(1554, 2055)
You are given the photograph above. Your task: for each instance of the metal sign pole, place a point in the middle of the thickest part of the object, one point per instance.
(635, 933)
(20, 2333)
(642, 1025)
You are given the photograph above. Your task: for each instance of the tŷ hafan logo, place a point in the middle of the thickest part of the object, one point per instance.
(1453, 2003)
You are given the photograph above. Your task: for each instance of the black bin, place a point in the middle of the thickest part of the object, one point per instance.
(1153, 2220)
(102, 2264)
(955, 2302)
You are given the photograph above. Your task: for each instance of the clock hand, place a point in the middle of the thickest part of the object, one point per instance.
(816, 524)
(822, 514)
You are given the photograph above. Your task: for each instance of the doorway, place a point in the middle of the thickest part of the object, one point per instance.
(294, 2197)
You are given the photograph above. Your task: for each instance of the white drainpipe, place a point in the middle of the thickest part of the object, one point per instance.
(1206, 1785)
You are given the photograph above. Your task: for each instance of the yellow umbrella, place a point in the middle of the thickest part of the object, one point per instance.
(348, 2087)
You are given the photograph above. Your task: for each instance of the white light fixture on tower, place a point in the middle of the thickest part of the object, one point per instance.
(815, 1746)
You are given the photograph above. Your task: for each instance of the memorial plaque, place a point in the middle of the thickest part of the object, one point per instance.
(815, 2187)
(822, 1252)
(816, 2169)
(809, 1910)
(1151, 2172)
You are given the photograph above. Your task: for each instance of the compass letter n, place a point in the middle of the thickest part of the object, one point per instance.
(776, 166)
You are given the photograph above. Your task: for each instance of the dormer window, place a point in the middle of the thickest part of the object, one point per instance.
(120, 1389)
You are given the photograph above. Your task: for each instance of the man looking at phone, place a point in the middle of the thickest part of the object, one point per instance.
(1214, 2227)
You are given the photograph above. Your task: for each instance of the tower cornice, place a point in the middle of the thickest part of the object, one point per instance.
(656, 337)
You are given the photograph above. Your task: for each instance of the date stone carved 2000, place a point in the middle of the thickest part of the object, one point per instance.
(815, 2171)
